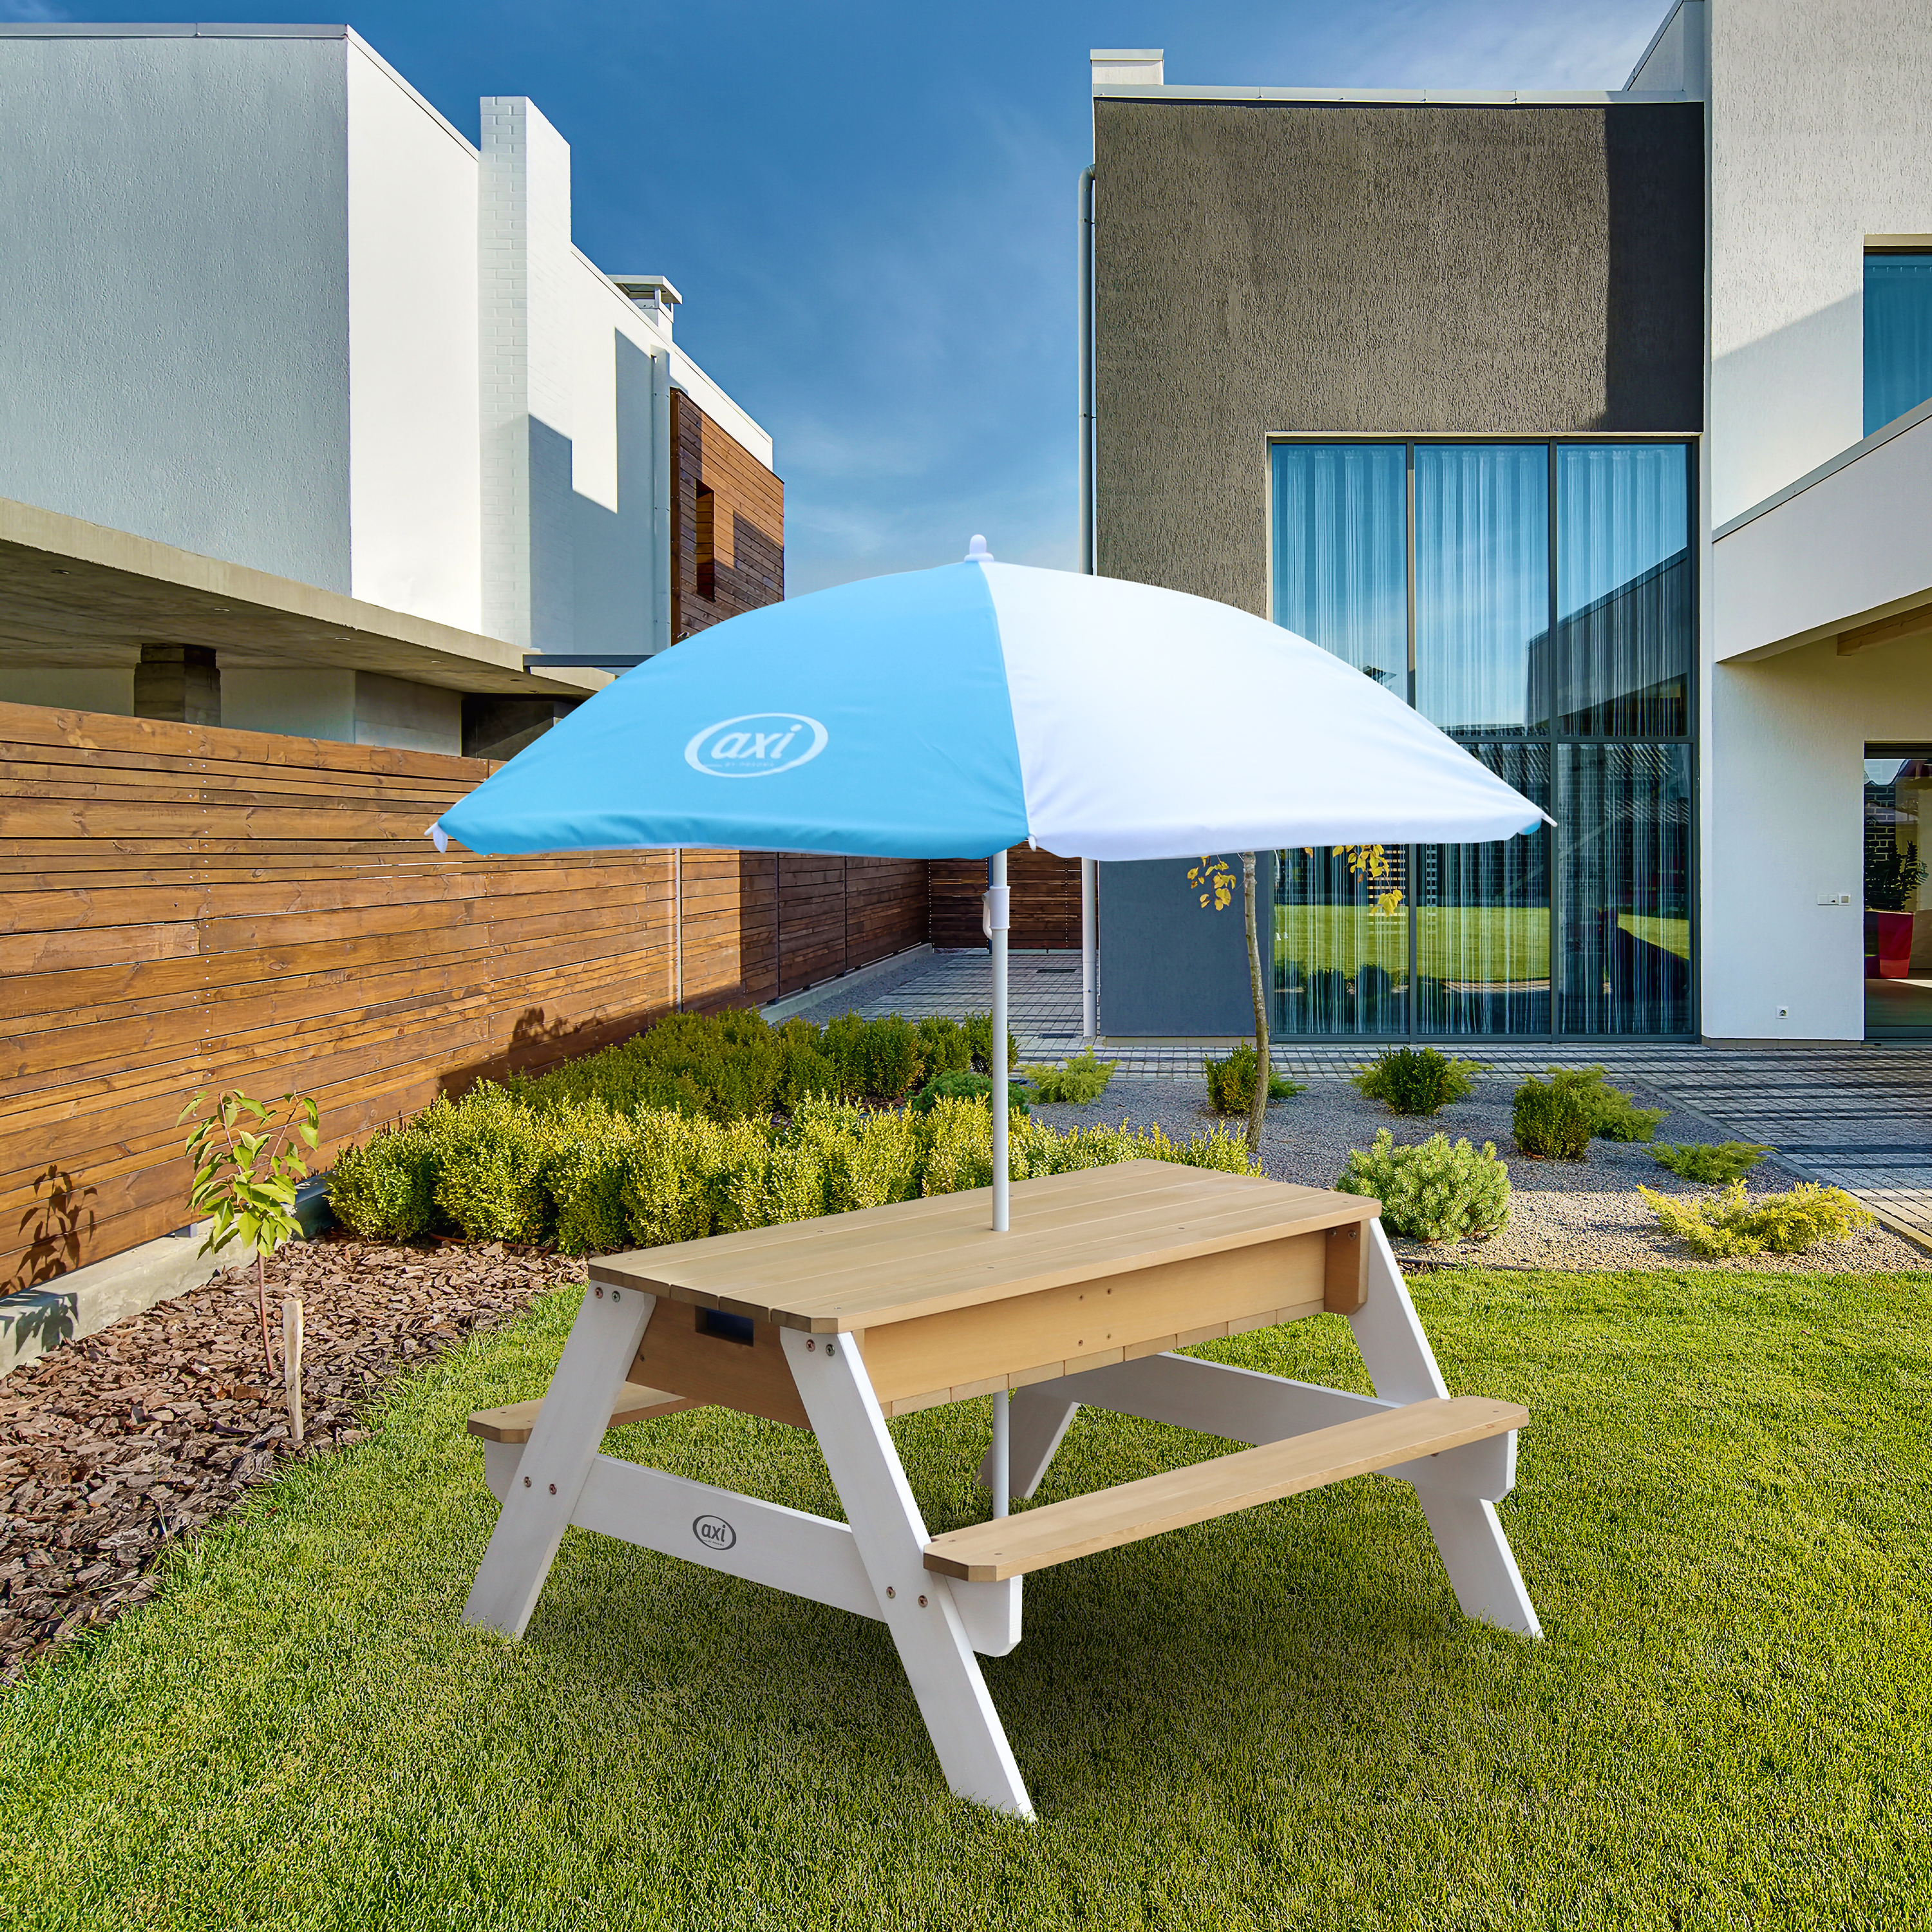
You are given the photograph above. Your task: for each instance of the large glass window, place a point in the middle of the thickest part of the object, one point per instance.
(1898, 334)
(1482, 586)
(1542, 598)
(1625, 628)
(1341, 553)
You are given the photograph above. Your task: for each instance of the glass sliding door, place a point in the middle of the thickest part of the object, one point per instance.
(1482, 919)
(1623, 814)
(1342, 940)
(1482, 587)
(1897, 905)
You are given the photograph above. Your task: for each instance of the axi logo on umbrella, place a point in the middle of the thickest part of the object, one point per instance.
(760, 745)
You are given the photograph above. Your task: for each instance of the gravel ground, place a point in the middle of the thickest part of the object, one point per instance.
(1563, 1214)
(114, 1447)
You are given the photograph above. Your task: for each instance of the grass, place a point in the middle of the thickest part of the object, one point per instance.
(1276, 1719)
(1502, 943)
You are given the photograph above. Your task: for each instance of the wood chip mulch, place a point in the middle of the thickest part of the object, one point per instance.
(114, 1447)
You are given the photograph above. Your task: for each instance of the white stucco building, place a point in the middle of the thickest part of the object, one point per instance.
(282, 341)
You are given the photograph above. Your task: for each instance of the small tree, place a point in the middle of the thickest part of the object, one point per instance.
(246, 1176)
(1215, 883)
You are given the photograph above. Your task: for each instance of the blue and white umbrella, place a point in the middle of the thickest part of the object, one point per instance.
(954, 713)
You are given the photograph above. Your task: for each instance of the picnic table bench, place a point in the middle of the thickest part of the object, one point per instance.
(835, 1324)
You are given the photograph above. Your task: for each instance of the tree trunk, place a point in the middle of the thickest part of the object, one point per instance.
(1258, 1112)
(261, 1310)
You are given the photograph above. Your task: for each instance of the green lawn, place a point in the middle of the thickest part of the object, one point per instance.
(1275, 1719)
(1465, 943)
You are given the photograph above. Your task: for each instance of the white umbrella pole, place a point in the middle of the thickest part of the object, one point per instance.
(1089, 1020)
(996, 932)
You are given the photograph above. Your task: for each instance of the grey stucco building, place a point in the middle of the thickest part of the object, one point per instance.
(1439, 381)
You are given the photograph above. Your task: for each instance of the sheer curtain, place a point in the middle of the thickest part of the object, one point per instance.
(1341, 553)
(1898, 335)
(1626, 628)
(1482, 587)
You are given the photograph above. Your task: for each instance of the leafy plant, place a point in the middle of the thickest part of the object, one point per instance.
(967, 1087)
(1417, 1079)
(1548, 1121)
(1712, 1163)
(1892, 880)
(1231, 1081)
(1734, 1223)
(978, 1029)
(1613, 1114)
(1434, 1192)
(1080, 1080)
(246, 1175)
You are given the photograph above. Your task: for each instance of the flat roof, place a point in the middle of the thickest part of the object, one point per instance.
(1398, 96)
(77, 593)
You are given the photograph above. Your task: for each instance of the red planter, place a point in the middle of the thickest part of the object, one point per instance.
(1891, 957)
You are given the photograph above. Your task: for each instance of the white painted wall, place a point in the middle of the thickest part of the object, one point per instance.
(1674, 61)
(1822, 134)
(1843, 549)
(1787, 746)
(415, 471)
(174, 326)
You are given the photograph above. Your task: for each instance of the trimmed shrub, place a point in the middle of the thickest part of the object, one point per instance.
(1613, 1114)
(1433, 1192)
(967, 1086)
(387, 1189)
(944, 1046)
(1418, 1080)
(1231, 1081)
(978, 1029)
(1080, 1080)
(1711, 1163)
(1735, 1223)
(1548, 1122)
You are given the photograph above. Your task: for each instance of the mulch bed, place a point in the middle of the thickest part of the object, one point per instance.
(114, 1447)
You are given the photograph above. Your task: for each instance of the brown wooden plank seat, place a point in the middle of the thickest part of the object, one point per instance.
(988, 1552)
(514, 1422)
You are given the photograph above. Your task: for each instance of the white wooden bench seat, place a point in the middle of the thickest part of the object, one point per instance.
(990, 1552)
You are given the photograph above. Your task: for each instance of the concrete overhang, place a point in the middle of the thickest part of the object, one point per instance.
(1844, 552)
(76, 594)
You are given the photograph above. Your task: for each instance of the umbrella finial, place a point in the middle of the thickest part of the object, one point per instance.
(977, 551)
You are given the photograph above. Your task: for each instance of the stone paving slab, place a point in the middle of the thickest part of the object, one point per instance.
(1855, 1117)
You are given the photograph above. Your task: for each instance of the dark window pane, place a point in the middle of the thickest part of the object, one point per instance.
(1626, 627)
(1341, 949)
(1482, 587)
(1341, 569)
(1623, 814)
(1482, 919)
(1898, 336)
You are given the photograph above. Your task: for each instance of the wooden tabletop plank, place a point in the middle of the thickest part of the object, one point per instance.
(916, 1258)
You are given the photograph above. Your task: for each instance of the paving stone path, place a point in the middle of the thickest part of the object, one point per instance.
(1855, 1117)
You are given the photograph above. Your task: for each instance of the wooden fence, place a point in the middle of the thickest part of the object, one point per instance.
(184, 908)
(1044, 908)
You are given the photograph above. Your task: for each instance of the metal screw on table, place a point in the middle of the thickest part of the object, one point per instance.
(890, 1591)
(829, 1351)
(810, 1345)
(600, 1295)
(616, 1295)
(526, 1482)
(553, 1490)
(922, 1603)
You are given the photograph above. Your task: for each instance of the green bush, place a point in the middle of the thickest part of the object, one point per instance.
(1548, 1121)
(1418, 1080)
(967, 1086)
(587, 1180)
(1231, 1082)
(1434, 1192)
(978, 1030)
(1734, 1223)
(1082, 1079)
(1613, 1114)
(1712, 1163)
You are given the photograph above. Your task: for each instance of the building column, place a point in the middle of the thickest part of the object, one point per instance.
(178, 682)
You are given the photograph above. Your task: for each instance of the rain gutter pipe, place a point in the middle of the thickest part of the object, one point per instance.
(1088, 961)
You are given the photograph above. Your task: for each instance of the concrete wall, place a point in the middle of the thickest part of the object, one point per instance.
(1379, 270)
(175, 329)
(415, 510)
(347, 707)
(1821, 119)
(1787, 739)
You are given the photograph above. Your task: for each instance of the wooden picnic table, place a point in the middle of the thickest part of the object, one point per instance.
(835, 1325)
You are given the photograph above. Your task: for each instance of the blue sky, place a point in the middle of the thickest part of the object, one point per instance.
(869, 208)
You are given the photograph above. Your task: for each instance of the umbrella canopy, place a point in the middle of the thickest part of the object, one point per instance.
(953, 713)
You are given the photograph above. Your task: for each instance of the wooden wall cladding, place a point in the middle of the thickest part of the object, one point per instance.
(186, 908)
(1044, 906)
(728, 536)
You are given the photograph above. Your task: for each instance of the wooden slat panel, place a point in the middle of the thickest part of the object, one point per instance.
(184, 907)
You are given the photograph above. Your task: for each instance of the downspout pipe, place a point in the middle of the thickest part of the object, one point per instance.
(1089, 975)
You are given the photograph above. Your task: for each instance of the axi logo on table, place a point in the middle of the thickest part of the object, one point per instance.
(759, 744)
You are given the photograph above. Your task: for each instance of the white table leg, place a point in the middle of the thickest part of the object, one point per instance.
(917, 1605)
(1463, 1521)
(1036, 1419)
(576, 1412)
